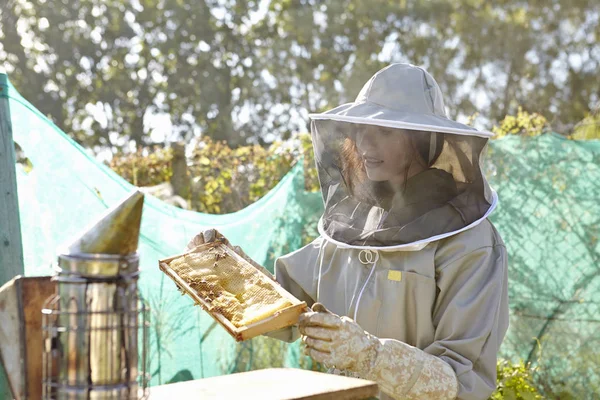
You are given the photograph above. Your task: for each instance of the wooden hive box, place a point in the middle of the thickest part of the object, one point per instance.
(241, 298)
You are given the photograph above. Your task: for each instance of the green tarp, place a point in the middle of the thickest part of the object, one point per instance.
(66, 189)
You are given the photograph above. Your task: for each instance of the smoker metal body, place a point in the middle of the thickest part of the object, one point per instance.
(92, 330)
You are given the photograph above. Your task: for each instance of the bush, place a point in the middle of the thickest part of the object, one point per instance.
(588, 128)
(524, 123)
(223, 180)
(146, 167)
(311, 180)
(514, 382)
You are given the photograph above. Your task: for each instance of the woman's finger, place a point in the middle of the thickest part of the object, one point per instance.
(207, 236)
(319, 345)
(319, 356)
(210, 235)
(196, 241)
(331, 321)
(317, 332)
(303, 318)
(318, 307)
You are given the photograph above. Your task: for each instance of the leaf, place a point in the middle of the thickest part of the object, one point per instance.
(510, 394)
(204, 161)
(529, 396)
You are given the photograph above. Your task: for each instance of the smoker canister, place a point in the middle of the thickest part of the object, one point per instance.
(95, 325)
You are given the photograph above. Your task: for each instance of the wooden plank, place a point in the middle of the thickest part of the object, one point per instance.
(36, 291)
(21, 303)
(11, 340)
(281, 319)
(11, 247)
(269, 384)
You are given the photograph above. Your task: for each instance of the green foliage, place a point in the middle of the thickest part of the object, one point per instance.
(146, 167)
(129, 59)
(311, 179)
(578, 363)
(588, 128)
(224, 179)
(514, 382)
(227, 180)
(524, 123)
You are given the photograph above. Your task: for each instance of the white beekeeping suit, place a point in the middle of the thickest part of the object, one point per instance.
(406, 255)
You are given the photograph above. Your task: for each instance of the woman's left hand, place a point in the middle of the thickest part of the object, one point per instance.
(337, 341)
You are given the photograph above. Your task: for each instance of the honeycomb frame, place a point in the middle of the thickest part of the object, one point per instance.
(282, 318)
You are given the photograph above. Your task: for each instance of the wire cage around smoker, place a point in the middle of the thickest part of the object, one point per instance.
(95, 341)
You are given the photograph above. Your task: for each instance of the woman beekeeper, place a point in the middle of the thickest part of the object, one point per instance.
(406, 255)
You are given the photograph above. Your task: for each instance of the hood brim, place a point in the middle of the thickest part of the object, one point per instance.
(373, 114)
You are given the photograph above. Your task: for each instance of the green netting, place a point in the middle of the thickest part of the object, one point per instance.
(67, 188)
(549, 217)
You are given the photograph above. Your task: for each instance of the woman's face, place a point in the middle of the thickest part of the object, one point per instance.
(386, 153)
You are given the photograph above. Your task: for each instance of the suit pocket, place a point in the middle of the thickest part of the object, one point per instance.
(407, 300)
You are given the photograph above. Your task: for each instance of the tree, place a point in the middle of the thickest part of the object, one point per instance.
(488, 57)
(252, 71)
(100, 68)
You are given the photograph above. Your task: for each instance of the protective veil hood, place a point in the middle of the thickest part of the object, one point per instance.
(395, 172)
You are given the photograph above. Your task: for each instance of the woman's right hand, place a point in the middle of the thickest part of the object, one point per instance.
(207, 236)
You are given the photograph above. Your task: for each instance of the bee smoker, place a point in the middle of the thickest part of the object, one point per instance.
(95, 325)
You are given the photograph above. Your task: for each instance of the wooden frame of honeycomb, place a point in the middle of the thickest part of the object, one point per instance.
(237, 295)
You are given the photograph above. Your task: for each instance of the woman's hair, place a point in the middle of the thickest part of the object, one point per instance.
(353, 168)
(355, 176)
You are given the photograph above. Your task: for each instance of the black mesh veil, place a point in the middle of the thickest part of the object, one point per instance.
(385, 186)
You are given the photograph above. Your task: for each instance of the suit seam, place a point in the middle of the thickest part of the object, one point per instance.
(448, 264)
